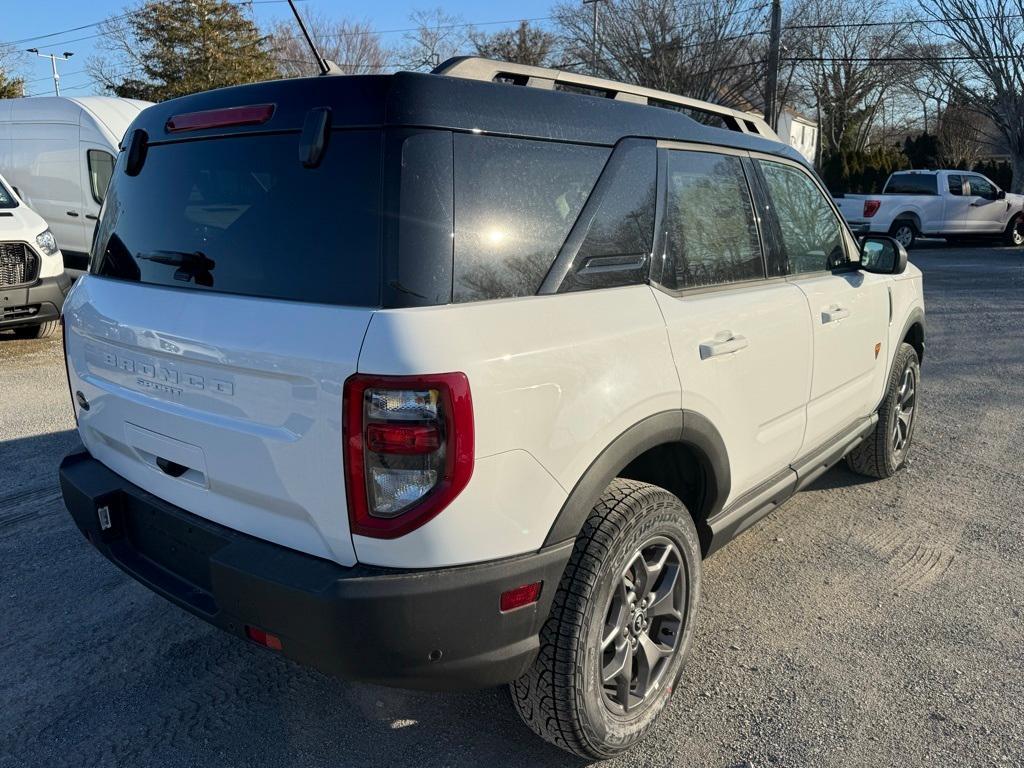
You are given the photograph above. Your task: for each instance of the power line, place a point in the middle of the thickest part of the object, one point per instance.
(899, 22)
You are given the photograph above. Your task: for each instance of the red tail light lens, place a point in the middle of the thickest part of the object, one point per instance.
(255, 114)
(260, 637)
(408, 449)
(871, 208)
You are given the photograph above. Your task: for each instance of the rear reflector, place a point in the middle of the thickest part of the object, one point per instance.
(267, 640)
(402, 438)
(254, 114)
(520, 596)
(871, 208)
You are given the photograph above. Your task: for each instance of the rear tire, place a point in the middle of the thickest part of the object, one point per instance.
(1014, 235)
(621, 625)
(905, 232)
(42, 331)
(884, 452)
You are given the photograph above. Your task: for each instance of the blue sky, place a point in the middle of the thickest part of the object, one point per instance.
(42, 17)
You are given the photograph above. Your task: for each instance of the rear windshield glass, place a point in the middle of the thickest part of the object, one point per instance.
(912, 184)
(242, 215)
(6, 198)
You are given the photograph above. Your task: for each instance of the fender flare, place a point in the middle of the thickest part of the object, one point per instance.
(916, 317)
(677, 426)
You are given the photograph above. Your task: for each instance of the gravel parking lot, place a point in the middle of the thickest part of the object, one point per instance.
(863, 624)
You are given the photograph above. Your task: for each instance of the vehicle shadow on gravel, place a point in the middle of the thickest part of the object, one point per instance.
(86, 647)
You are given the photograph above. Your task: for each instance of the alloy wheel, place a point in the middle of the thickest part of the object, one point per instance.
(1017, 235)
(643, 625)
(904, 410)
(904, 235)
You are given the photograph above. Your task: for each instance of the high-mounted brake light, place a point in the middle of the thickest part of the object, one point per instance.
(254, 114)
(871, 208)
(408, 449)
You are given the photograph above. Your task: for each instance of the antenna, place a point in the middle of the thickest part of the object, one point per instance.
(326, 67)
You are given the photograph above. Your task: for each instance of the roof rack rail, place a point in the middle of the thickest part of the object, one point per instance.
(475, 68)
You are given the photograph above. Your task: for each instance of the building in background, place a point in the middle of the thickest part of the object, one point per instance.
(800, 132)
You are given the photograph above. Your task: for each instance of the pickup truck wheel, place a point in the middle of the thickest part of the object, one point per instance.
(621, 626)
(1015, 231)
(885, 450)
(904, 232)
(41, 331)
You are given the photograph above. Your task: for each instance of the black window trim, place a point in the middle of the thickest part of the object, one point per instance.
(564, 266)
(661, 236)
(88, 166)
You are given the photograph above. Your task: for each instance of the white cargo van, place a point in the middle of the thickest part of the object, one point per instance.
(58, 154)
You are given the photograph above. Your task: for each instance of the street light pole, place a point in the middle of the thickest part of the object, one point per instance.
(594, 41)
(53, 57)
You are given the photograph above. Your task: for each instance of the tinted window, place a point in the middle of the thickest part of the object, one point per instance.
(709, 221)
(912, 184)
(242, 215)
(6, 198)
(811, 235)
(101, 167)
(982, 187)
(515, 202)
(956, 184)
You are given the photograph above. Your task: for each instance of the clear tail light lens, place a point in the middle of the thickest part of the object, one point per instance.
(408, 449)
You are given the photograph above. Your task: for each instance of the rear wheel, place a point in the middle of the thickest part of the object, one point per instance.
(41, 331)
(885, 450)
(621, 625)
(1015, 232)
(904, 232)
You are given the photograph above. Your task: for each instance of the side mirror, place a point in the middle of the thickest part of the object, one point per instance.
(1000, 194)
(882, 255)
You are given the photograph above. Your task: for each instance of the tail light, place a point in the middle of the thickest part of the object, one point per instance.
(408, 449)
(871, 208)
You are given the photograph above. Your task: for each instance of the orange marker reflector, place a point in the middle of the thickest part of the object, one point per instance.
(878, 348)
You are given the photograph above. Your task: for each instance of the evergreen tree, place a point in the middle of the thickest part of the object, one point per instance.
(11, 87)
(169, 48)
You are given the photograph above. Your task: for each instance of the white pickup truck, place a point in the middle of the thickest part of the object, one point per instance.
(950, 204)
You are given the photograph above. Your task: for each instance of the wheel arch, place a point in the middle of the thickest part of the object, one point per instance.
(680, 451)
(907, 215)
(913, 332)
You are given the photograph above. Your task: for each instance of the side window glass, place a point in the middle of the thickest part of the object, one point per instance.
(981, 187)
(101, 168)
(618, 222)
(515, 202)
(812, 237)
(709, 222)
(956, 185)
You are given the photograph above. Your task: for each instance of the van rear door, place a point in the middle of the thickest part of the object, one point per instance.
(229, 292)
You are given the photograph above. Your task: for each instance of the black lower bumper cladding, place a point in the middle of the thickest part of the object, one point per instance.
(33, 304)
(437, 629)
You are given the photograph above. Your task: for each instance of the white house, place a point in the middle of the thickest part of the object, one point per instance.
(800, 132)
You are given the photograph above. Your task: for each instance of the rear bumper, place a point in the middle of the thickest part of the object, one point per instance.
(35, 303)
(438, 629)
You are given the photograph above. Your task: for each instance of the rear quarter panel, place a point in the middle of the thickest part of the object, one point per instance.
(554, 380)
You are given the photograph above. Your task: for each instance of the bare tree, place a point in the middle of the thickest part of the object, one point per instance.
(847, 68)
(11, 87)
(438, 36)
(960, 132)
(702, 50)
(989, 35)
(353, 45)
(526, 44)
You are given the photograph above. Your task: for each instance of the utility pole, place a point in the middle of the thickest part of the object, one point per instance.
(594, 41)
(54, 58)
(771, 90)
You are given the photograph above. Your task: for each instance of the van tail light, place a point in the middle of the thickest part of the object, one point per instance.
(871, 208)
(408, 449)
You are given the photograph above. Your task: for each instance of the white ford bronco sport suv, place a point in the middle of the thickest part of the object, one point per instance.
(451, 380)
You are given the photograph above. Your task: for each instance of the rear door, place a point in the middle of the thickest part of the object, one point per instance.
(848, 309)
(226, 304)
(957, 205)
(740, 337)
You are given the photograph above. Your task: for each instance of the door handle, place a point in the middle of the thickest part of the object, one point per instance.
(725, 343)
(90, 217)
(833, 313)
(979, 203)
(73, 213)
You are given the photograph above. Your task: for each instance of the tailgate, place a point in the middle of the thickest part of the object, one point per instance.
(226, 406)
